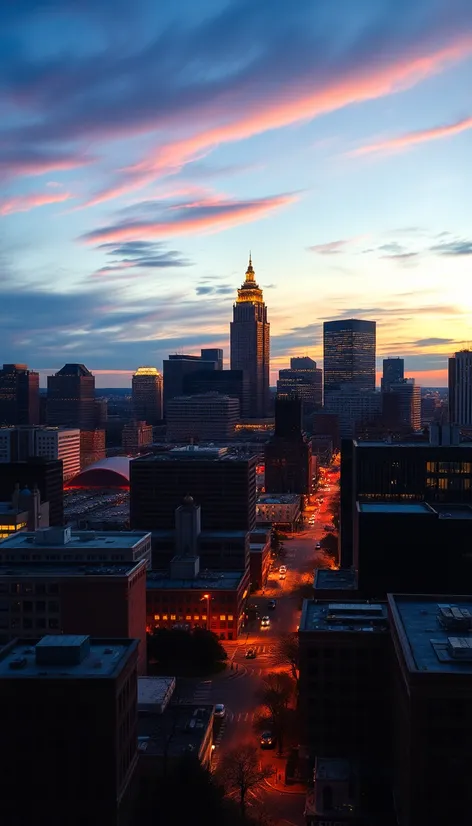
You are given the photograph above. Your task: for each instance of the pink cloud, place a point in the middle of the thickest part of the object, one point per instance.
(24, 203)
(414, 138)
(207, 216)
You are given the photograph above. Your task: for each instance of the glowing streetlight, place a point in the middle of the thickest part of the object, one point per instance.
(208, 598)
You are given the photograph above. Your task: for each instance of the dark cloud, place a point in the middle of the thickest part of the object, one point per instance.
(453, 248)
(431, 342)
(132, 255)
(402, 257)
(204, 289)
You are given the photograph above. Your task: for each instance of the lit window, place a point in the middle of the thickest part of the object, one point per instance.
(204, 616)
(222, 617)
(188, 617)
(172, 616)
(230, 617)
(157, 616)
(164, 617)
(196, 616)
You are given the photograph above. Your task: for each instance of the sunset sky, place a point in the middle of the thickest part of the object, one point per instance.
(146, 147)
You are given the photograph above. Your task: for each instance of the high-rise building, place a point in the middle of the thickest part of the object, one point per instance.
(213, 354)
(432, 720)
(92, 447)
(19, 395)
(393, 371)
(401, 405)
(21, 443)
(304, 380)
(349, 355)
(98, 598)
(288, 455)
(176, 368)
(101, 413)
(353, 408)
(68, 714)
(136, 436)
(205, 417)
(460, 388)
(224, 485)
(71, 397)
(147, 395)
(45, 473)
(250, 344)
(231, 383)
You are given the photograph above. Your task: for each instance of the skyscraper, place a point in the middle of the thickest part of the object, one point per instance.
(305, 380)
(460, 388)
(213, 354)
(393, 371)
(401, 405)
(288, 455)
(250, 343)
(147, 395)
(19, 395)
(177, 367)
(349, 355)
(71, 397)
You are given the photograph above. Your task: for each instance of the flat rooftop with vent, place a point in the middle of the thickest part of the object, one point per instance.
(62, 657)
(434, 632)
(357, 617)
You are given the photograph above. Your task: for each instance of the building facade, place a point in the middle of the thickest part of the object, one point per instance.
(393, 372)
(92, 447)
(24, 512)
(288, 454)
(71, 397)
(68, 712)
(23, 443)
(353, 409)
(401, 406)
(19, 395)
(432, 686)
(102, 599)
(250, 344)
(205, 417)
(283, 509)
(224, 485)
(177, 368)
(305, 380)
(349, 355)
(45, 473)
(231, 383)
(460, 388)
(147, 395)
(136, 436)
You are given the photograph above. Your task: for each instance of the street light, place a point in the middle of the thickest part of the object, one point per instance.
(208, 598)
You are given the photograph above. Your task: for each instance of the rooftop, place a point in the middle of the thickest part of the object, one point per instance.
(205, 581)
(59, 657)
(342, 579)
(194, 453)
(424, 444)
(278, 499)
(179, 729)
(435, 632)
(64, 538)
(331, 768)
(169, 533)
(394, 507)
(343, 616)
(67, 569)
(453, 511)
(154, 693)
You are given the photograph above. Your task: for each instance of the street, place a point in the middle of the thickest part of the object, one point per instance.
(237, 687)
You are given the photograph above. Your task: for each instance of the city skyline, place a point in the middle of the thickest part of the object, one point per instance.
(145, 152)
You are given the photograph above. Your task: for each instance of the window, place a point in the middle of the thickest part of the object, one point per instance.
(40, 589)
(196, 617)
(41, 623)
(27, 623)
(157, 616)
(27, 606)
(40, 606)
(172, 616)
(165, 617)
(222, 617)
(14, 588)
(188, 617)
(230, 617)
(53, 623)
(15, 607)
(204, 617)
(53, 607)
(53, 588)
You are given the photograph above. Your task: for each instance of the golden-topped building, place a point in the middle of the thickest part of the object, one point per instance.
(250, 344)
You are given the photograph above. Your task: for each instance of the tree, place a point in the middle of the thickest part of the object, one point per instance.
(198, 650)
(241, 772)
(288, 651)
(276, 692)
(329, 544)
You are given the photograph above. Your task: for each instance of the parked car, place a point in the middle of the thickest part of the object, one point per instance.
(265, 622)
(267, 740)
(251, 654)
(283, 569)
(220, 710)
(272, 604)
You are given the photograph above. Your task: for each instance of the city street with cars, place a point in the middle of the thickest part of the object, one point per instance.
(255, 654)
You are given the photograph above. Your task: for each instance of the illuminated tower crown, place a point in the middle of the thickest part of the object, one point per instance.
(250, 291)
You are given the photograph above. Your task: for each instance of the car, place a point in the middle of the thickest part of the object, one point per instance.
(267, 740)
(318, 546)
(328, 527)
(272, 604)
(283, 569)
(281, 576)
(251, 654)
(265, 622)
(220, 710)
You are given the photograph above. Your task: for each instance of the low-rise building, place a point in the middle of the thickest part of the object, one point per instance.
(432, 706)
(279, 509)
(335, 797)
(335, 584)
(66, 545)
(155, 693)
(25, 512)
(343, 688)
(100, 599)
(68, 717)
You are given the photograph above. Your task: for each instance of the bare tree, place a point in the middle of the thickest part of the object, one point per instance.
(288, 653)
(276, 692)
(240, 771)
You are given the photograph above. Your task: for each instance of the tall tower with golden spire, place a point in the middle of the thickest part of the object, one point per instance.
(250, 344)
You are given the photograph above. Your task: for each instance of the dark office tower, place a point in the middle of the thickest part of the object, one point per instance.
(460, 388)
(19, 395)
(68, 713)
(147, 395)
(45, 473)
(71, 397)
(349, 355)
(213, 354)
(304, 380)
(223, 485)
(401, 406)
(176, 368)
(288, 455)
(393, 371)
(250, 344)
(232, 383)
